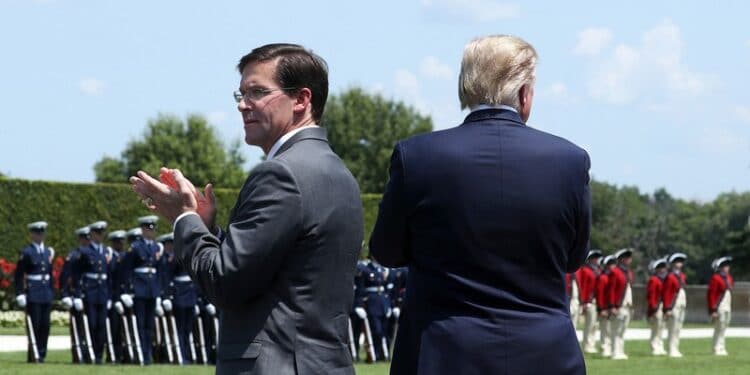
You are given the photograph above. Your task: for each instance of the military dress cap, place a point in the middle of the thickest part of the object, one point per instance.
(594, 254)
(656, 263)
(83, 231)
(148, 221)
(626, 252)
(165, 237)
(117, 235)
(677, 257)
(609, 259)
(135, 232)
(37, 226)
(98, 226)
(719, 262)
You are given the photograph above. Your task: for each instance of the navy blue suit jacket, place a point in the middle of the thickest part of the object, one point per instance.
(489, 216)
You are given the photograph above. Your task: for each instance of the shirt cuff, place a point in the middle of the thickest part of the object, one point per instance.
(184, 214)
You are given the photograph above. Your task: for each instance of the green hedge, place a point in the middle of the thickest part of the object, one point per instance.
(67, 206)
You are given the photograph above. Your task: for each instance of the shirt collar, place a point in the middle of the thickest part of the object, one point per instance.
(280, 142)
(493, 106)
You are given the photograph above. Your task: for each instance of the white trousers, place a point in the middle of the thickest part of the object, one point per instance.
(604, 336)
(590, 324)
(656, 323)
(674, 326)
(619, 325)
(720, 330)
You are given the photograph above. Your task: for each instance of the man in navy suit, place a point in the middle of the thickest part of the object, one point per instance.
(488, 216)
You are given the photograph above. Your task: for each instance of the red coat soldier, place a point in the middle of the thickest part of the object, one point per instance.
(586, 277)
(720, 302)
(654, 313)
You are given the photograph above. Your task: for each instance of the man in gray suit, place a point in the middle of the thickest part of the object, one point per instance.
(281, 274)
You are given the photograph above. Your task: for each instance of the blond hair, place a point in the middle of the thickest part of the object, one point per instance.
(493, 70)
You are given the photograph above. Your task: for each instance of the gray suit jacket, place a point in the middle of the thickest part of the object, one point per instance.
(282, 272)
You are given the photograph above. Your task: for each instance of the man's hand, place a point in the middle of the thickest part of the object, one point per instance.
(175, 195)
(714, 316)
(604, 314)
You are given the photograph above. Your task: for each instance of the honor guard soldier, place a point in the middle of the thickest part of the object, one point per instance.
(397, 291)
(675, 302)
(572, 292)
(378, 308)
(586, 278)
(620, 301)
(358, 315)
(602, 304)
(70, 301)
(91, 270)
(183, 296)
(116, 249)
(140, 264)
(34, 292)
(654, 314)
(720, 302)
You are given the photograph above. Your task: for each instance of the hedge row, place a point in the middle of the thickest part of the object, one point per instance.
(67, 206)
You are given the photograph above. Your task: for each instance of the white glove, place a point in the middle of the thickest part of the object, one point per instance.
(167, 305)
(159, 311)
(396, 312)
(78, 304)
(119, 308)
(158, 301)
(127, 300)
(197, 310)
(109, 304)
(388, 313)
(67, 302)
(21, 300)
(211, 309)
(361, 313)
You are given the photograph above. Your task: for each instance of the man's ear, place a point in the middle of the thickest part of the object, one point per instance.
(303, 100)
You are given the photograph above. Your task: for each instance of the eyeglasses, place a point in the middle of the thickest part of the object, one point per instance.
(256, 93)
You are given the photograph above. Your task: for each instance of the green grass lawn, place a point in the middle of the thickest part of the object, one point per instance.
(697, 360)
(13, 331)
(58, 363)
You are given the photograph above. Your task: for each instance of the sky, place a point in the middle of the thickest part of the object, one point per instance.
(656, 92)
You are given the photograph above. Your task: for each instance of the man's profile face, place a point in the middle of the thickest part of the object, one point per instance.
(266, 118)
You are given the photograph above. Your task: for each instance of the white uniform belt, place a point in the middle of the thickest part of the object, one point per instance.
(145, 270)
(374, 289)
(96, 276)
(183, 279)
(38, 277)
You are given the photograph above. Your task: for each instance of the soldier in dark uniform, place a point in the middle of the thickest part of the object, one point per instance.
(140, 264)
(377, 306)
(181, 293)
(358, 313)
(70, 300)
(33, 283)
(115, 249)
(91, 268)
(396, 290)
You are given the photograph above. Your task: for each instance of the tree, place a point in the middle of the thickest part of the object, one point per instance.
(192, 146)
(363, 129)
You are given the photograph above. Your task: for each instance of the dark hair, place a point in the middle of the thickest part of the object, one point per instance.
(296, 67)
